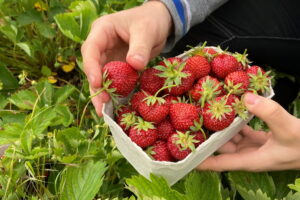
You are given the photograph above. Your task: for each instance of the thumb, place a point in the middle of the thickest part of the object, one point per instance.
(276, 117)
(140, 46)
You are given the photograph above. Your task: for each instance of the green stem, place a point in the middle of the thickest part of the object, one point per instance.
(163, 88)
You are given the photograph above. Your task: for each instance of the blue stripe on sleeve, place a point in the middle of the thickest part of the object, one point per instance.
(180, 10)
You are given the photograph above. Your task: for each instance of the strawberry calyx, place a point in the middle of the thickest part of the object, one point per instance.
(259, 82)
(232, 88)
(185, 141)
(198, 127)
(105, 87)
(128, 119)
(141, 124)
(152, 99)
(149, 151)
(240, 108)
(198, 50)
(210, 91)
(242, 58)
(203, 51)
(219, 109)
(173, 72)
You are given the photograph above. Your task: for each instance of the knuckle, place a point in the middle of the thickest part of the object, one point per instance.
(274, 110)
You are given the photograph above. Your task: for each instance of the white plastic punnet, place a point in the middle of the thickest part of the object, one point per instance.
(171, 171)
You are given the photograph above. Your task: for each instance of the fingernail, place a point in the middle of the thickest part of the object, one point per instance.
(251, 99)
(139, 58)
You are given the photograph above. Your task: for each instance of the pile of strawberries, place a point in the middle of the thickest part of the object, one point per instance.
(178, 103)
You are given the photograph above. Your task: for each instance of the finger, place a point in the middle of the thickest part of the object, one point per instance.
(237, 138)
(250, 160)
(141, 43)
(228, 147)
(99, 100)
(259, 137)
(278, 119)
(92, 51)
(91, 62)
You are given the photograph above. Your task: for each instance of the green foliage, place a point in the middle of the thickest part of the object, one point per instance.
(82, 182)
(58, 148)
(75, 29)
(204, 185)
(197, 186)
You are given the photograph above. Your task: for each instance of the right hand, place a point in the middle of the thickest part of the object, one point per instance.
(135, 35)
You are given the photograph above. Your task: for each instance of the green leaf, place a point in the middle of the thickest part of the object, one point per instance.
(7, 78)
(10, 31)
(295, 186)
(10, 133)
(251, 195)
(292, 196)
(76, 24)
(45, 30)
(157, 187)
(282, 179)
(12, 117)
(40, 120)
(26, 138)
(64, 116)
(28, 17)
(203, 185)
(82, 182)
(3, 101)
(24, 99)
(63, 93)
(37, 152)
(26, 48)
(46, 71)
(260, 184)
(45, 91)
(70, 138)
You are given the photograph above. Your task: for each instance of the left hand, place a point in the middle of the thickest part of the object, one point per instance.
(252, 150)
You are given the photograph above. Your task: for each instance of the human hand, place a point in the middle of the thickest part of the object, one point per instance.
(135, 36)
(253, 150)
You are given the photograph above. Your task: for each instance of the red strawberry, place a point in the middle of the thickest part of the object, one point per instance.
(183, 115)
(171, 99)
(259, 79)
(164, 129)
(217, 114)
(159, 151)
(150, 81)
(240, 67)
(199, 136)
(210, 51)
(254, 70)
(198, 66)
(242, 60)
(224, 64)
(206, 89)
(153, 109)
(143, 133)
(182, 144)
(237, 82)
(119, 78)
(136, 99)
(232, 98)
